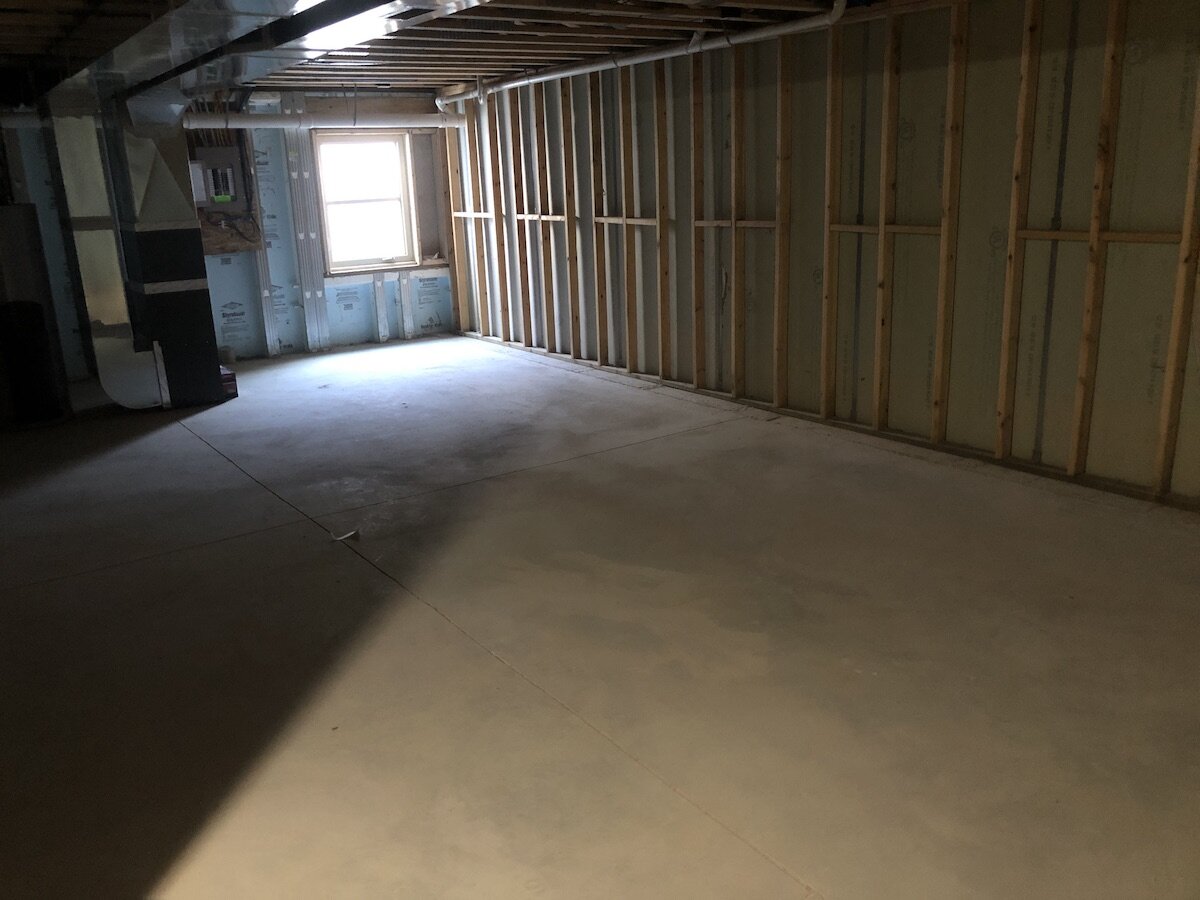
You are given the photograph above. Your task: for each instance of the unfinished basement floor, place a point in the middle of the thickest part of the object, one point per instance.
(596, 638)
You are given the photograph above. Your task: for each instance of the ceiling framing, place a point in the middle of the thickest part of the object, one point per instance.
(43, 41)
(425, 45)
(510, 37)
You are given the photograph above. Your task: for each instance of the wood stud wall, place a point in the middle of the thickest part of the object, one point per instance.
(521, 215)
(1181, 313)
(611, 189)
(1018, 215)
(600, 210)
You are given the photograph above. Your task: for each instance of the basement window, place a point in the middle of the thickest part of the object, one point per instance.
(366, 200)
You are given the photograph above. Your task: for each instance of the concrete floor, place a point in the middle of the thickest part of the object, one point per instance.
(597, 638)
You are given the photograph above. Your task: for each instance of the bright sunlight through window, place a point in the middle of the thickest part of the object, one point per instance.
(366, 200)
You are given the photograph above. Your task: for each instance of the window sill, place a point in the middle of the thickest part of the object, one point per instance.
(391, 267)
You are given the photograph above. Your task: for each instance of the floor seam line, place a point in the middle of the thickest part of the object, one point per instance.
(811, 892)
(533, 468)
(160, 553)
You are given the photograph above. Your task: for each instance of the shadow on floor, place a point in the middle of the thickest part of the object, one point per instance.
(39, 451)
(136, 698)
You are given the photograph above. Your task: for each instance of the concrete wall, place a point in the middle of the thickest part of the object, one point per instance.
(1090, 394)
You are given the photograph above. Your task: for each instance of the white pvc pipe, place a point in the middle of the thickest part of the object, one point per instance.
(234, 120)
(637, 57)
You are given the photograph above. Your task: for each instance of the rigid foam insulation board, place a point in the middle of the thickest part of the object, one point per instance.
(718, 80)
(645, 201)
(1068, 116)
(351, 310)
(759, 107)
(717, 298)
(855, 374)
(1158, 91)
(615, 261)
(561, 275)
(585, 234)
(510, 159)
(489, 203)
(1153, 132)
(862, 109)
(474, 278)
(533, 235)
(1186, 475)
(1064, 155)
(759, 129)
(679, 211)
(236, 307)
(1132, 352)
(493, 290)
(558, 231)
(914, 310)
(428, 190)
(807, 239)
(921, 123)
(920, 143)
(468, 227)
(539, 291)
(758, 245)
(610, 125)
(646, 262)
(1048, 351)
(994, 32)
(718, 73)
(274, 189)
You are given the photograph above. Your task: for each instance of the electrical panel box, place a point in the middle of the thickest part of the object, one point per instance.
(217, 179)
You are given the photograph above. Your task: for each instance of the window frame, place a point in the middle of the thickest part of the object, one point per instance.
(406, 196)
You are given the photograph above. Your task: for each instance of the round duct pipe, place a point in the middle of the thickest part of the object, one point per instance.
(235, 120)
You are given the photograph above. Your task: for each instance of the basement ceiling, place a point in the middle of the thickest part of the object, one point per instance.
(42, 41)
(510, 37)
